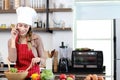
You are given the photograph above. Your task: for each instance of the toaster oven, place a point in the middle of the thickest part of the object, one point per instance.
(87, 59)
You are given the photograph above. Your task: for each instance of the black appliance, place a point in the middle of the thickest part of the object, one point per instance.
(63, 65)
(63, 61)
(87, 59)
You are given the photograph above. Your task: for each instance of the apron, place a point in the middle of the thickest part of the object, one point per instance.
(24, 57)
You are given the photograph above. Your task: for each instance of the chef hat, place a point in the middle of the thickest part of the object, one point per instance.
(26, 15)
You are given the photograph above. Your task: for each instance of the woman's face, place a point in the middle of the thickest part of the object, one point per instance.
(23, 28)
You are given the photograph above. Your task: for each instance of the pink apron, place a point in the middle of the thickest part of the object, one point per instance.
(24, 57)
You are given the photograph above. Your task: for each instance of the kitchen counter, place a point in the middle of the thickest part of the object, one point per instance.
(57, 77)
(78, 75)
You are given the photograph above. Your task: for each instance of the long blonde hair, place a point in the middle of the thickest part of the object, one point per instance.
(29, 38)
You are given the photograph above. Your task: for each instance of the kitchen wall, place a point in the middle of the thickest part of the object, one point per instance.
(50, 40)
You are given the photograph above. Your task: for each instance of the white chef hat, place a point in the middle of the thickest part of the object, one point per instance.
(26, 15)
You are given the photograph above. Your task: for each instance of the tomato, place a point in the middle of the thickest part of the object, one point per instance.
(63, 76)
(72, 76)
(62, 79)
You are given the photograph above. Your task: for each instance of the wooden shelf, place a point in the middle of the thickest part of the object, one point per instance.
(14, 11)
(61, 10)
(40, 29)
(60, 29)
(5, 29)
(52, 29)
(7, 11)
(40, 10)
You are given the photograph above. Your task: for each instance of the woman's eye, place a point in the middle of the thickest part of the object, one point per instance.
(26, 26)
(20, 25)
(23, 25)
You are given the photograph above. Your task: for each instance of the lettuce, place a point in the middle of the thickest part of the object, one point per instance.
(13, 70)
(47, 74)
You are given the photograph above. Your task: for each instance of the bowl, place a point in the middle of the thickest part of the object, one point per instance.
(16, 76)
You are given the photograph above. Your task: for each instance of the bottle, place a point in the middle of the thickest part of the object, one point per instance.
(7, 4)
(43, 25)
(11, 4)
(27, 3)
(1, 64)
(16, 3)
(3, 4)
(40, 24)
(1, 61)
(22, 3)
(55, 62)
(41, 4)
(31, 3)
(36, 24)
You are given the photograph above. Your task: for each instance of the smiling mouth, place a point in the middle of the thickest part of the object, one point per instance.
(22, 32)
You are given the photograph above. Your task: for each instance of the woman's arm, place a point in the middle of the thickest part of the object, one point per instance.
(12, 54)
(40, 51)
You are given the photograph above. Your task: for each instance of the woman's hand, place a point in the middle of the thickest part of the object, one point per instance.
(35, 61)
(14, 33)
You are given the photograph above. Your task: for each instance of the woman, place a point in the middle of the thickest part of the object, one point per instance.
(24, 47)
